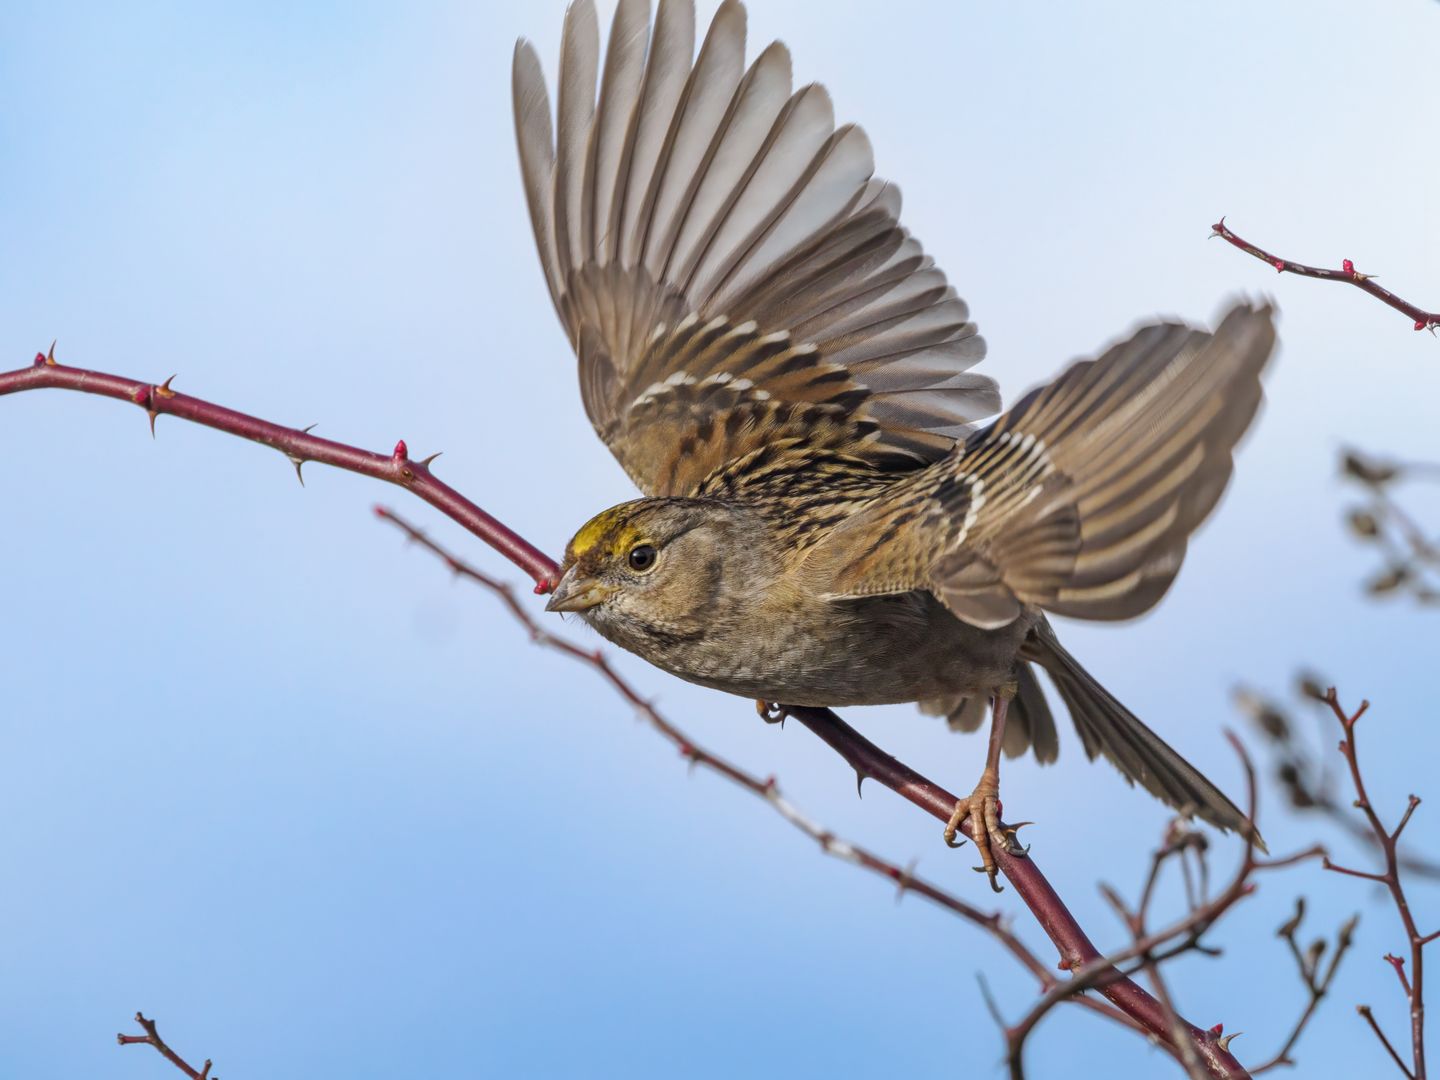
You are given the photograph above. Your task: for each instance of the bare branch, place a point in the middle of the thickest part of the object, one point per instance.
(298, 445)
(1413, 986)
(1422, 319)
(152, 1038)
(1307, 962)
(1369, 1017)
(1411, 559)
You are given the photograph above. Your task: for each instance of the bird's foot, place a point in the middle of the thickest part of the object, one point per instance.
(982, 807)
(772, 712)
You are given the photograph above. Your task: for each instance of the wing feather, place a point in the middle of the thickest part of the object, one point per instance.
(724, 261)
(1081, 499)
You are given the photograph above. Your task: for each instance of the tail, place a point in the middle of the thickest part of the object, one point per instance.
(1107, 727)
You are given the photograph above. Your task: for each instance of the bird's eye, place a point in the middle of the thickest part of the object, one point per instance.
(642, 557)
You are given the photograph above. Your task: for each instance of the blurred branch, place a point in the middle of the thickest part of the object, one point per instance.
(152, 1038)
(1422, 319)
(1412, 559)
(1387, 840)
(1307, 963)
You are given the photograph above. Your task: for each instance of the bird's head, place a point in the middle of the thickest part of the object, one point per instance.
(655, 571)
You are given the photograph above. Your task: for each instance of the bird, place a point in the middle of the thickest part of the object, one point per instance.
(835, 509)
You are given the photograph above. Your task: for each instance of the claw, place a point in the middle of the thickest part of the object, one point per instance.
(1013, 845)
(986, 829)
(952, 827)
(772, 712)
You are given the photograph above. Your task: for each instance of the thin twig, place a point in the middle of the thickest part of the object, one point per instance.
(1387, 840)
(1369, 1017)
(152, 1038)
(1316, 985)
(1422, 319)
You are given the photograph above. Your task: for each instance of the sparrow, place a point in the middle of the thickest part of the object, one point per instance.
(827, 519)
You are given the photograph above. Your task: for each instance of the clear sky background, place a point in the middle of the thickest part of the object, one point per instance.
(270, 776)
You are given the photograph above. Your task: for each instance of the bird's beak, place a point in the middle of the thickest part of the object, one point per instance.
(576, 593)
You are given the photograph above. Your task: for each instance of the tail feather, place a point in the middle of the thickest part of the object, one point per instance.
(1107, 727)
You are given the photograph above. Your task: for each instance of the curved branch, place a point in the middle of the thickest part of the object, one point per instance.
(1387, 840)
(299, 446)
(1347, 274)
(1077, 951)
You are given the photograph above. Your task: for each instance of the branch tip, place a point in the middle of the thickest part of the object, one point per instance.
(1347, 273)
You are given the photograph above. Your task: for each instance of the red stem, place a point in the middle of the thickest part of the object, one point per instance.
(1347, 274)
(1075, 947)
(299, 446)
(1077, 951)
(152, 1038)
(1388, 842)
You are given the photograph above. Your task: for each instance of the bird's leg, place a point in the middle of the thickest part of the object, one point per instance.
(983, 805)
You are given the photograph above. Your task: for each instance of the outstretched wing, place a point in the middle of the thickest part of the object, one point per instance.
(1079, 500)
(728, 269)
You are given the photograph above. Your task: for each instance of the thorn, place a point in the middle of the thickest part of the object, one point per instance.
(298, 462)
(1225, 1040)
(402, 452)
(50, 356)
(859, 781)
(1218, 229)
(153, 414)
(164, 388)
(903, 879)
(425, 464)
(309, 428)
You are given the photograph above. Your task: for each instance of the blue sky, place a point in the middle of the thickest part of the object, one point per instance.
(273, 778)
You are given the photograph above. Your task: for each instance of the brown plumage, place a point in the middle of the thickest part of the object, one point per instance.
(785, 375)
